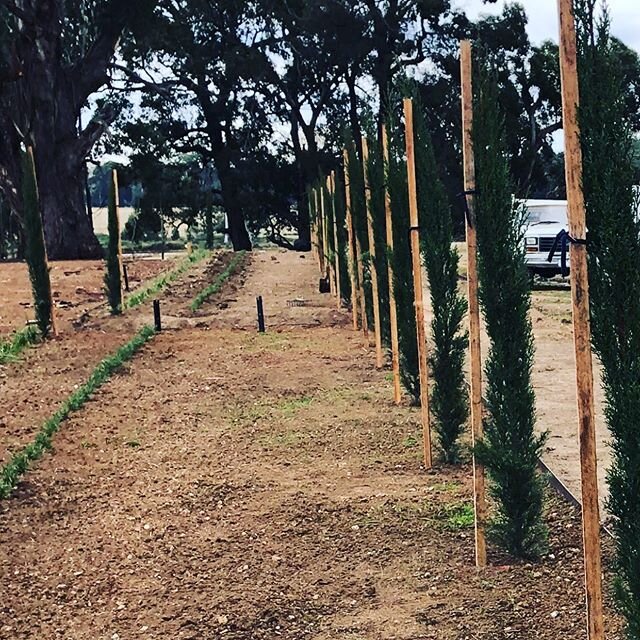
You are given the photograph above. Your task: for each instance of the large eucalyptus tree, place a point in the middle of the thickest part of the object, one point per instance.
(55, 55)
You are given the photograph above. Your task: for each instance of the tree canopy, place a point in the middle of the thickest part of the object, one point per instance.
(260, 92)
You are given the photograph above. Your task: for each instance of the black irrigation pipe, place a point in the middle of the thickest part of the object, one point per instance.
(565, 493)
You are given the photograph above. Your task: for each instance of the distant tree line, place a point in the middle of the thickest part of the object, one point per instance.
(259, 91)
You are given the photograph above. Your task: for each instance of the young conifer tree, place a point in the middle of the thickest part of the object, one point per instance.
(614, 279)
(113, 277)
(449, 402)
(376, 176)
(208, 227)
(396, 176)
(510, 449)
(359, 215)
(35, 249)
(343, 241)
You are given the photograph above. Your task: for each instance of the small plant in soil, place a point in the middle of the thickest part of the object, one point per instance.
(458, 516)
(10, 349)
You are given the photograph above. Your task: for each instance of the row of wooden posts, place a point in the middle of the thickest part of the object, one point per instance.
(580, 297)
(330, 270)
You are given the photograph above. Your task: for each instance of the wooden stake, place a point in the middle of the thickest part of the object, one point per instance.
(475, 355)
(325, 222)
(314, 226)
(417, 282)
(336, 246)
(581, 321)
(321, 245)
(372, 253)
(393, 312)
(116, 187)
(361, 292)
(352, 266)
(314, 237)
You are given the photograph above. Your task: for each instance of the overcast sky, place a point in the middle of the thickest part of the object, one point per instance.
(543, 20)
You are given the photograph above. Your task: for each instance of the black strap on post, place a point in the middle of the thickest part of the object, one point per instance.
(563, 240)
(467, 209)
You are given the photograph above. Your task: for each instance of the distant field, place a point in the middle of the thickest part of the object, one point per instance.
(100, 218)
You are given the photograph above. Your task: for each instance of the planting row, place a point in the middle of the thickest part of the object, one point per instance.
(382, 213)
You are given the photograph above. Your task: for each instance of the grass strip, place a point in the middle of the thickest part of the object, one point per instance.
(19, 464)
(145, 292)
(11, 348)
(214, 287)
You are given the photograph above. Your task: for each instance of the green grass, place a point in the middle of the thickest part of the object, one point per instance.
(457, 516)
(11, 348)
(215, 286)
(290, 407)
(19, 464)
(150, 289)
(410, 442)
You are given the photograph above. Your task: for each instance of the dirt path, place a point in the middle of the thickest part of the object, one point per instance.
(245, 486)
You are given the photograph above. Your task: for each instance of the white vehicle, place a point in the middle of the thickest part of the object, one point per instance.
(545, 220)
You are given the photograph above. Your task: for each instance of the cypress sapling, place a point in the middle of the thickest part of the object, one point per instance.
(510, 449)
(614, 281)
(35, 248)
(449, 403)
(396, 176)
(113, 277)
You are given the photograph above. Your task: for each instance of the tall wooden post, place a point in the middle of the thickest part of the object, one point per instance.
(320, 231)
(116, 186)
(581, 321)
(355, 300)
(326, 268)
(393, 312)
(336, 245)
(314, 223)
(372, 253)
(417, 281)
(475, 356)
(327, 231)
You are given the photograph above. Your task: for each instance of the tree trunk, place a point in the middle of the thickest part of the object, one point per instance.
(303, 178)
(67, 228)
(238, 231)
(221, 152)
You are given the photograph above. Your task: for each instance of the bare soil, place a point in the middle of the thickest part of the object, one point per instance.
(234, 485)
(77, 287)
(33, 387)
